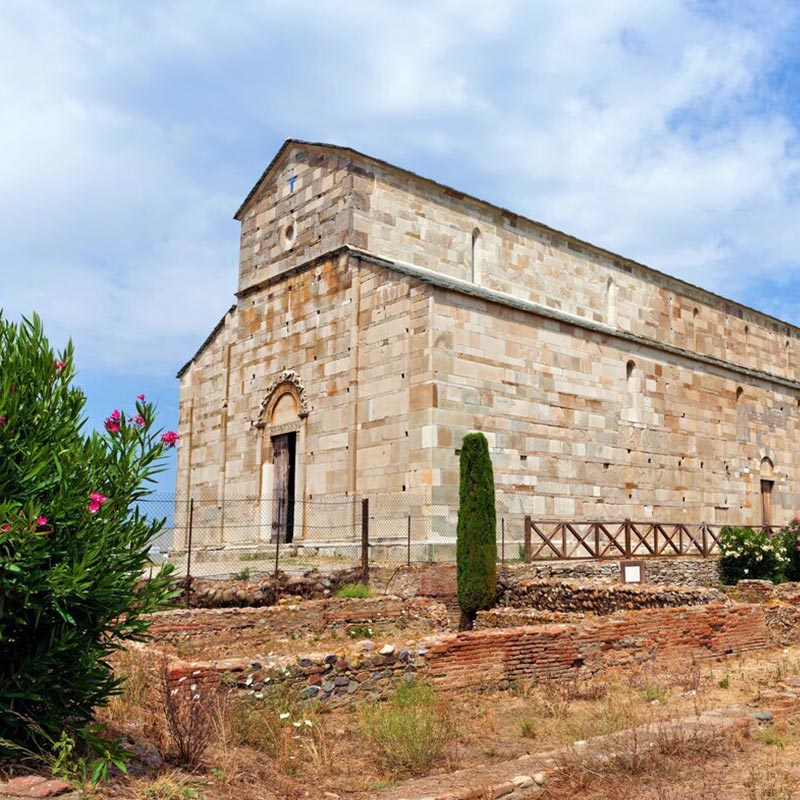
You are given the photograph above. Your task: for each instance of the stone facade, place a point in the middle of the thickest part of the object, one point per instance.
(380, 316)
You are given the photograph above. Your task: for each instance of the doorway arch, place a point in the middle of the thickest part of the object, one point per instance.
(282, 479)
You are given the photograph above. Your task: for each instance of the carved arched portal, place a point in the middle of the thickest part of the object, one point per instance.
(281, 420)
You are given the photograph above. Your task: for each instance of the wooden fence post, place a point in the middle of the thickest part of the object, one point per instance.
(527, 539)
(628, 552)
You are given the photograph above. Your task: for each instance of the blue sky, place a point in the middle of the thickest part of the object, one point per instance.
(667, 131)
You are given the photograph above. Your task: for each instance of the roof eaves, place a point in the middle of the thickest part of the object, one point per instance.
(217, 328)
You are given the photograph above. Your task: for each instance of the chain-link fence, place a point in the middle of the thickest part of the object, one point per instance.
(247, 537)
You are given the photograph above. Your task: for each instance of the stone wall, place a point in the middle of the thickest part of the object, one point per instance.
(672, 571)
(602, 599)
(255, 626)
(439, 580)
(333, 677)
(207, 593)
(498, 658)
(751, 591)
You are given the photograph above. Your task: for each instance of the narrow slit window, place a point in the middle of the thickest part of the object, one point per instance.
(611, 302)
(473, 257)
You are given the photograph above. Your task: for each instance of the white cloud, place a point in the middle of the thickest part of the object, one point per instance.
(652, 129)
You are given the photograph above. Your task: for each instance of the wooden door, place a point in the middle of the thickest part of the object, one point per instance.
(283, 455)
(766, 502)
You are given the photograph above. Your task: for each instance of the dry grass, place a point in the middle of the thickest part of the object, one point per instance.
(411, 731)
(254, 752)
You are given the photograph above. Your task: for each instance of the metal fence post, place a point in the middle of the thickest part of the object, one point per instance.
(527, 539)
(189, 555)
(278, 550)
(365, 540)
(408, 542)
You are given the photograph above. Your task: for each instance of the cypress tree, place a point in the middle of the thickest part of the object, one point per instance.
(476, 542)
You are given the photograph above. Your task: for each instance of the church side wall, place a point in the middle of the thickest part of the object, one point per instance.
(403, 218)
(576, 433)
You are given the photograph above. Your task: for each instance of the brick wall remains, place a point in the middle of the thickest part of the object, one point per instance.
(498, 658)
(555, 652)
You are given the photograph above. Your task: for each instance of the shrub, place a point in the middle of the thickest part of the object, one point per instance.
(789, 535)
(190, 720)
(359, 632)
(476, 542)
(73, 543)
(751, 554)
(359, 590)
(409, 731)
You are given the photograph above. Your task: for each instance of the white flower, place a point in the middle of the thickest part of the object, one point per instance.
(297, 724)
(285, 715)
(308, 722)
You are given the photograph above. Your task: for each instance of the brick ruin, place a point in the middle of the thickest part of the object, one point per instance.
(597, 628)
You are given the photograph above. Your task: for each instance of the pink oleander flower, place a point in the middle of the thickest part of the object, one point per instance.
(140, 397)
(41, 520)
(3, 421)
(170, 438)
(112, 421)
(95, 501)
(59, 365)
(140, 420)
(5, 527)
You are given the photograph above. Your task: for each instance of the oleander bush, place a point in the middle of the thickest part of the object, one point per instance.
(790, 537)
(751, 553)
(73, 544)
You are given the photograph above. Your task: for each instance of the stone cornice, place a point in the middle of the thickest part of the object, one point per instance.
(502, 298)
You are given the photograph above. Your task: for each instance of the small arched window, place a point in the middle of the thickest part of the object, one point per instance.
(473, 254)
(633, 393)
(739, 393)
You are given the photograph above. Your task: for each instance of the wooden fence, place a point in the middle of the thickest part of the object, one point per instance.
(557, 540)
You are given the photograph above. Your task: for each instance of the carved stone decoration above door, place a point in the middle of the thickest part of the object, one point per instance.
(286, 382)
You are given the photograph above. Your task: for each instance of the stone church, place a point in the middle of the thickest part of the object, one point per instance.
(380, 316)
